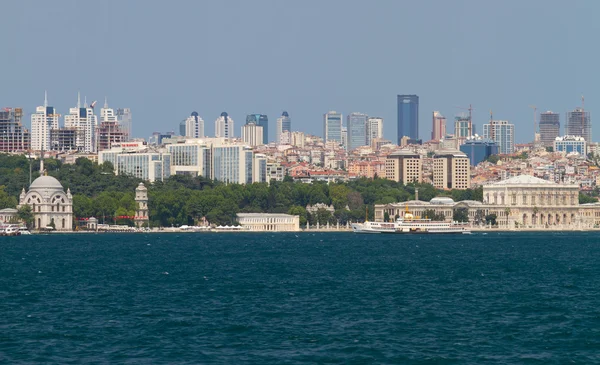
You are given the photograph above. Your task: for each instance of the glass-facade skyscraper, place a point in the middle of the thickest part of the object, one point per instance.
(408, 117)
(284, 123)
(332, 126)
(357, 130)
(261, 120)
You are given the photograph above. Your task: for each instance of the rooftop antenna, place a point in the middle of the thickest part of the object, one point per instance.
(78, 100)
(85, 105)
(534, 120)
(105, 103)
(582, 116)
(45, 98)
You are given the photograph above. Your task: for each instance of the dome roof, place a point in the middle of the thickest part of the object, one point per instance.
(442, 200)
(46, 182)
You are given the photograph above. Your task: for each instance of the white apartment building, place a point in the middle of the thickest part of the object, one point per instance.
(43, 120)
(224, 126)
(85, 122)
(194, 126)
(374, 129)
(252, 134)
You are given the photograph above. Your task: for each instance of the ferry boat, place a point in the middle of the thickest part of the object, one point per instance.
(410, 224)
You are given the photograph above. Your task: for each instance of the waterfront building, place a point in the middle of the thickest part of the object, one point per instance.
(479, 150)
(284, 124)
(522, 201)
(110, 130)
(50, 205)
(579, 123)
(269, 222)
(141, 218)
(451, 170)
(438, 128)
(14, 136)
(194, 126)
(570, 144)
(332, 127)
(224, 126)
(260, 120)
(43, 120)
(549, 128)
(408, 117)
(356, 126)
(9, 215)
(374, 129)
(85, 122)
(252, 134)
(501, 132)
(404, 166)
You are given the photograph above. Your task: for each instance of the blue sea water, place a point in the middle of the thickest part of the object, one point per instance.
(306, 298)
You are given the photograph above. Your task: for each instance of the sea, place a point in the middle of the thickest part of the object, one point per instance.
(300, 298)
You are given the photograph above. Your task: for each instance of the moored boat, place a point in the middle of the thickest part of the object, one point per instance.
(410, 224)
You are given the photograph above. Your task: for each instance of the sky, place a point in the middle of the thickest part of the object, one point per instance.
(165, 59)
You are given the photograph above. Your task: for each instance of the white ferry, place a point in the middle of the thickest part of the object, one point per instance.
(411, 224)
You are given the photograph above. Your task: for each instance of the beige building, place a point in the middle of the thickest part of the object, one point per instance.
(404, 166)
(261, 222)
(252, 134)
(49, 204)
(451, 170)
(519, 202)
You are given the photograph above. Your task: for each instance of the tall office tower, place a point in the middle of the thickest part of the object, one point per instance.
(374, 129)
(438, 128)
(109, 131)
(344, 138)
(404, 166)
(332, 126)
(579, 123)
(451, 170)
(252, 134)
(124, 120)
(224, 126)
(182, 128)
(85, 122)
(194, 126)
(13, 136)
(462, 129)
(549, 128)
(43, 120)
(408, 117)
(501, 132)
(284, 123)
(356, 126)
(261, 120)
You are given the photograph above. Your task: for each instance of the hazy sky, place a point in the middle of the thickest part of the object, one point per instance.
(165, 59)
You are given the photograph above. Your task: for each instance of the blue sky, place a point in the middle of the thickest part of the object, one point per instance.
(165, 59)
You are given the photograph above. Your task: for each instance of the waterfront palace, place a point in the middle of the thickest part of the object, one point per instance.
(519, 202)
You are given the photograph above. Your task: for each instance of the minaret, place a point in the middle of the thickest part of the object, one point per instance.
(141, 200)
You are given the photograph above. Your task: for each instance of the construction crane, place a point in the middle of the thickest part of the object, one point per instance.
(534, 121)
(470, 109)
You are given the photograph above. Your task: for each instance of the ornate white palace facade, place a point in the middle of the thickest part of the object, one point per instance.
(261, 222)
(519, 202)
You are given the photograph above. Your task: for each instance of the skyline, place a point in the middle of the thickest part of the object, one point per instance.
(463, 53)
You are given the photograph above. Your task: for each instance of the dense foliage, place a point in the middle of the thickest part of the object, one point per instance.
(185, 200)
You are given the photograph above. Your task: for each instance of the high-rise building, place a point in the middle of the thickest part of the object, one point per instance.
(109, 131)
(570, 144)
(43, 120)
(549, 128)
(332, 127)
(374, 129)
(356, 125)
(252, 134)
(284, 123)
(438, 128)
(501, 132)
(404, 166)
(579, 123)
(224, 126)
(124, 121)
(63, 139)
(233, 164)
(408, 117)
(479, 150)
(85, 122)
(462, 129)
(13, 136)
(451, 170)
(261, 120)
(194, 126)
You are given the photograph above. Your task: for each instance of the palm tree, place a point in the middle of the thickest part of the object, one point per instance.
(507, 212)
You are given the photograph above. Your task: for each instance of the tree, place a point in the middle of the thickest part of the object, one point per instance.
(585, 199)
(460, 215)
(490, 219)
(493, 159)
(433, 215)
(300, 212)
(386, 217)
(26, 215)
(52, 224)
(6, 201)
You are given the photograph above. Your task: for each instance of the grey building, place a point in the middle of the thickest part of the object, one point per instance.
(549, 128)
(579, 123)
(408, 117)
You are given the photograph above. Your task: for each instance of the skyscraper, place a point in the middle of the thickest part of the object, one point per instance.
(408, 117)
(374, 129)
(261, 120)
(501, 132)
(194, 126)
(109, 131)
(124, 120)
(356, 125)
(43, 120)
(549, 128)
(438, 129)
(579, 123)
(284, 123)
(85, 122)
(252, 134)
(13, 136)
(224, 126)
(332, 126)
(462, 129)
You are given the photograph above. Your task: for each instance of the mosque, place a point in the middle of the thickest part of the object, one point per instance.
(50, 205)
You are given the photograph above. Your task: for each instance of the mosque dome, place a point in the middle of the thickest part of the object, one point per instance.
(46, 182)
